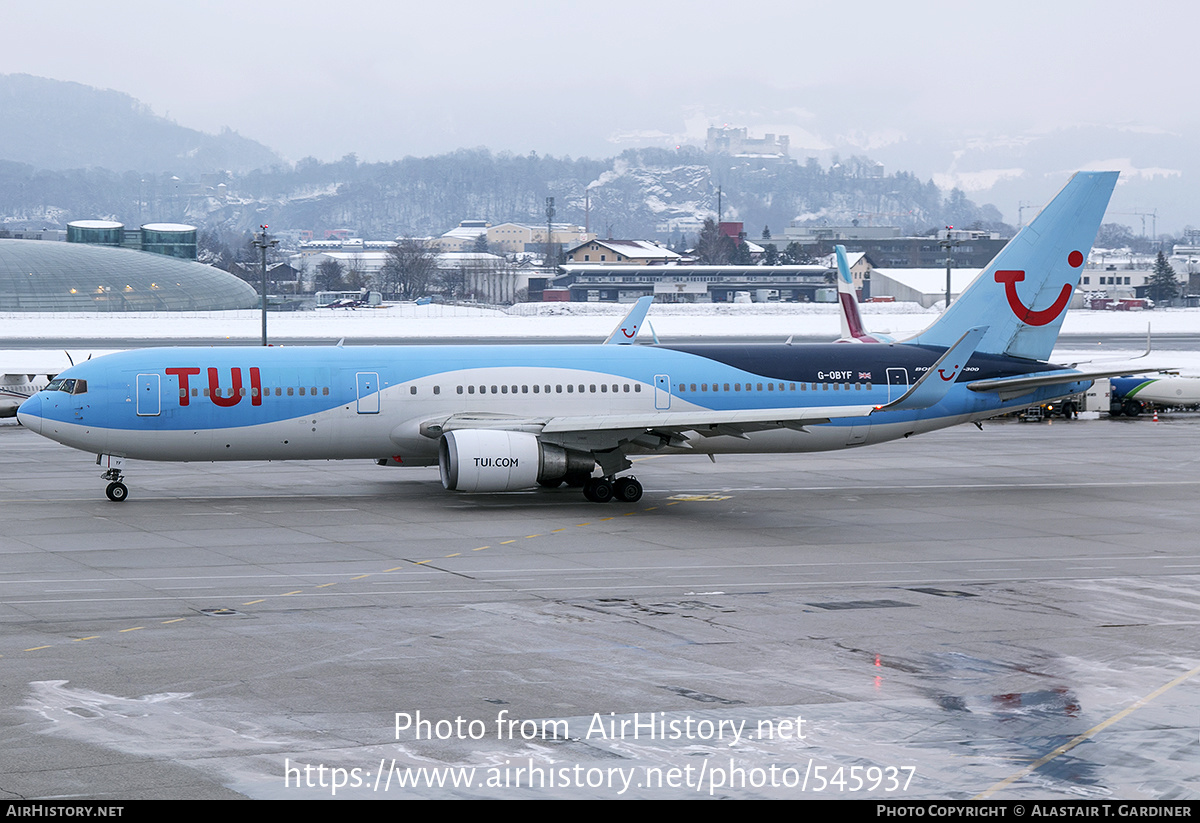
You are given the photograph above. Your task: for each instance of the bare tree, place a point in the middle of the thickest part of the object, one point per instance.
(354, 277)
(303, 269)
(409, 271)
(328, 276)
(453, 282)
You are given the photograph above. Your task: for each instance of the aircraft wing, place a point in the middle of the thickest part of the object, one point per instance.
(650, 429)
(926, 392)
(1146, 353)
(23, 362)
(660, 421)
(700, 418)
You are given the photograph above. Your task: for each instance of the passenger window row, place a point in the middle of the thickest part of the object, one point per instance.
(569, 388)
(80, 386)
(684, 388)
(291, 391)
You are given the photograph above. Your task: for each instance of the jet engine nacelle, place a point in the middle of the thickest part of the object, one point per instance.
(492, 460)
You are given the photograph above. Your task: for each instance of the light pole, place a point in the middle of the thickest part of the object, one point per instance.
(262, 243)
(948, 246)
(549, 228)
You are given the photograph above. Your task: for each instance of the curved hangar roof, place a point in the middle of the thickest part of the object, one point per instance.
(40, 275)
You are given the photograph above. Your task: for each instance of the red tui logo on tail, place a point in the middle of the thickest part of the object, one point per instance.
(1010, 279)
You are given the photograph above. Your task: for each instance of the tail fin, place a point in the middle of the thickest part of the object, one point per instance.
(1045, 258)
(852, 325)
(853, 329)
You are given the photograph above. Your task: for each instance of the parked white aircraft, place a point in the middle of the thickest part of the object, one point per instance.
(28, 371)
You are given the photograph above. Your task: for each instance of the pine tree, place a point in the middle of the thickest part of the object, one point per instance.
(1163, 285)
(741, 255)
(712, 247)
(796, 255)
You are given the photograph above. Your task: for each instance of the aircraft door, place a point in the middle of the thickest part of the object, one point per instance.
(897, 379)
(662, 391)
(368, 392)
(149, 400)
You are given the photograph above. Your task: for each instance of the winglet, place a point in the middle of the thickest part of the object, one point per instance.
(627, 330)
(936, 382)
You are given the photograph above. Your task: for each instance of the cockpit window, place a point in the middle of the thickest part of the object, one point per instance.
(68, 384)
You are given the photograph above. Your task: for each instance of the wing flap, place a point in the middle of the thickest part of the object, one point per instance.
(683, 420)
(927, 391)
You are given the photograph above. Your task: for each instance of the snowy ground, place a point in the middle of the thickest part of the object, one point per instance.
(586, 320)
(409, 323)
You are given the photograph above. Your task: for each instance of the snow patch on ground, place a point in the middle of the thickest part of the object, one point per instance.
(585, 321)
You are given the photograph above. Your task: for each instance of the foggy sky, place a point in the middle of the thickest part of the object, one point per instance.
(952, 91)
(387, 80)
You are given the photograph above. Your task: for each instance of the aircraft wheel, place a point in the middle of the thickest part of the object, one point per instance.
(117, 492)
(627, 490)
(598, 490)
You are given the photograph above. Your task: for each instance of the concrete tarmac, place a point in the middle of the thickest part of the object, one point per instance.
(931, 618)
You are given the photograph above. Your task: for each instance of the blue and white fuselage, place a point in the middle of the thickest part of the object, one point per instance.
(259, 403)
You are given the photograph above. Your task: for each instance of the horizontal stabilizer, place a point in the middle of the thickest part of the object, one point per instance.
(1009, 387)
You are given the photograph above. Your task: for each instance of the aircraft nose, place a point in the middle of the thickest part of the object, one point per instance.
(30, 413)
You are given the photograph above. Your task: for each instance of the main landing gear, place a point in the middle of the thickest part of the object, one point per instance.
(116, 491)
(604, 489)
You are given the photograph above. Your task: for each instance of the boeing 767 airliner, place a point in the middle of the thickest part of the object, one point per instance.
(498, 418)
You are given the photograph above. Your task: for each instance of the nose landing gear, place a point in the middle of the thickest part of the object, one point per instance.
(116, 491)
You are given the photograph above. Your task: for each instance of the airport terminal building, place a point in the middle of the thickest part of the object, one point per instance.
(41, 276)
